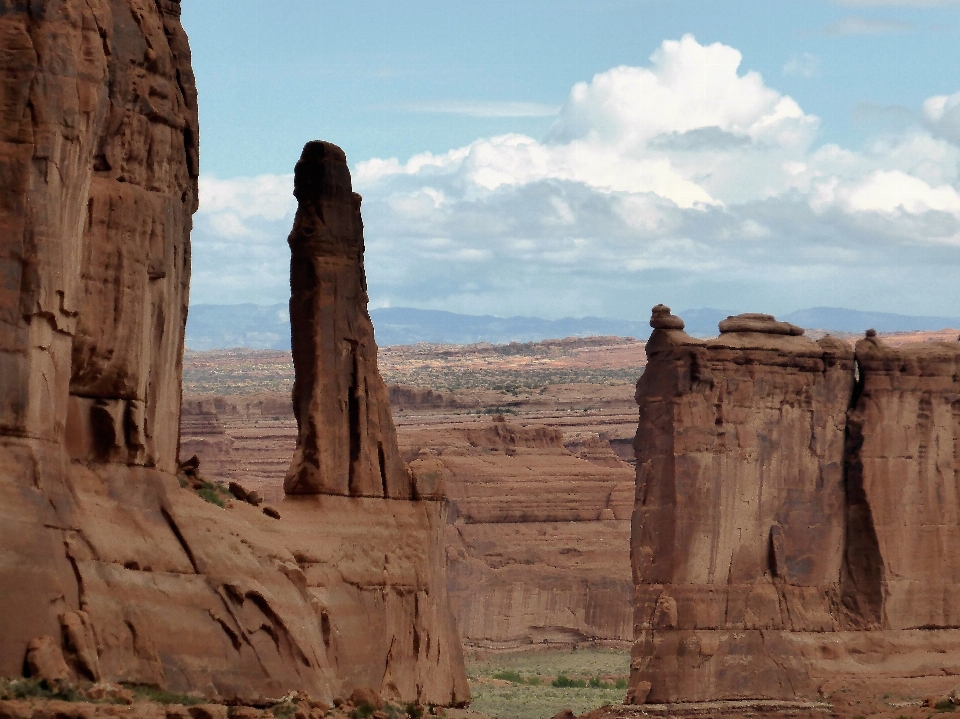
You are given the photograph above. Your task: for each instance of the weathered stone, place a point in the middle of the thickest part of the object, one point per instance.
(334, 352)
(737, 532)
(796, 513)
(663, 319)
(142, 581)
(902, 568)
(45, 660)
(363, 697)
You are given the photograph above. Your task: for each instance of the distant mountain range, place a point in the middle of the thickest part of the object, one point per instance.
(268, 326)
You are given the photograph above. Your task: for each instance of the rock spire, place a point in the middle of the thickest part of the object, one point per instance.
(347, 442)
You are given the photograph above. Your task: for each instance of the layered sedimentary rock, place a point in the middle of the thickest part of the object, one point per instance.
(334, 352)
(537, 540)
(538, 531)
(903, 486)
(106, 559)
(737, 531)
(98, 145)
(791, 495)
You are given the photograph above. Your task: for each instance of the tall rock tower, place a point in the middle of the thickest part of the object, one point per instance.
(347, 443)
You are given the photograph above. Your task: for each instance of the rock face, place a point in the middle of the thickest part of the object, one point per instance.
(903, 466)
(786, 493)
(334, 352)
(109, 568)
(99, 183)
(537, 540)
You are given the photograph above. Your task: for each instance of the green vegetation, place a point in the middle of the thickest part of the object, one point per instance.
(38, 689)
(565, 682)
(944, 705)
(214, 492)
(284, 710)
(537, 685)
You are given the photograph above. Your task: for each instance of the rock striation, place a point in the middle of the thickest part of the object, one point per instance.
(791, 496)
(98, 144)
(334, 353)
(111, 570)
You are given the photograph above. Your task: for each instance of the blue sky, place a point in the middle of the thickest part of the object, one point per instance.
(791, 153)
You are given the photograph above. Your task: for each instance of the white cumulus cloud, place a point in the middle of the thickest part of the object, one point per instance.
(943, 114)
(689, 180)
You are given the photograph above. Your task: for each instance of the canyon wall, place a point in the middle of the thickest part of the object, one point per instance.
(537, 515)
(796, 507)
(537, 540)
(109, 556)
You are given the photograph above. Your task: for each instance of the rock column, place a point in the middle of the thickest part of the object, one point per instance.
(738, 525)
(347, 442)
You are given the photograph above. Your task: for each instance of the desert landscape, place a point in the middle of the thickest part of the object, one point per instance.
(534, 444)
(761, 522)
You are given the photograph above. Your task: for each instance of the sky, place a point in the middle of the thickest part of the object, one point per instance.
(571, 158)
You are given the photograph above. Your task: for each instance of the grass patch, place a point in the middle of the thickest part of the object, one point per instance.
(38, 689)
(214, 492)
(510, 675)
(565, 682)
(543, 683)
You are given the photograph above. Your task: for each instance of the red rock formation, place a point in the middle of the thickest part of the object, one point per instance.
(334, 352)
(738, 526)
(796, 515)
(106, 559)
(902, 567)
(99, 156)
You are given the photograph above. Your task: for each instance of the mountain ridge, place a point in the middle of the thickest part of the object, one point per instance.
(268, 326)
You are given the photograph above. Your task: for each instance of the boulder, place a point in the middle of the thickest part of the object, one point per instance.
(45, 660)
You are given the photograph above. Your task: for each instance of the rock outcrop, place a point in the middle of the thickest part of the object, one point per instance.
(98, 144)
(109, 567)
(537, 540)
(902, 568)
(334, 352)
(791, 495)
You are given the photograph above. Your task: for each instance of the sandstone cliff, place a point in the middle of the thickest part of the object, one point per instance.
(903, 497)
(791, 496)
(99, 150)
(131, 577)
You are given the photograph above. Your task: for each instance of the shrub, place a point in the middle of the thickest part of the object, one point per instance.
(362, 712)
(38, 689)
(944, 705)
(510, 675)
(621, 683)
(213, 493)
(565, 682)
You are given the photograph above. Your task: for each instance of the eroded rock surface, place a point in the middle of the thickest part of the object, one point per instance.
(334, 352)
(109, 567)
(791, 496)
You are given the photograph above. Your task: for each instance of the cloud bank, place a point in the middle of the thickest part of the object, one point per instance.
(688, 181)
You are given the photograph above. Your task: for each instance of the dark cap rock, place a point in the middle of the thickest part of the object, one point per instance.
(662, 319)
